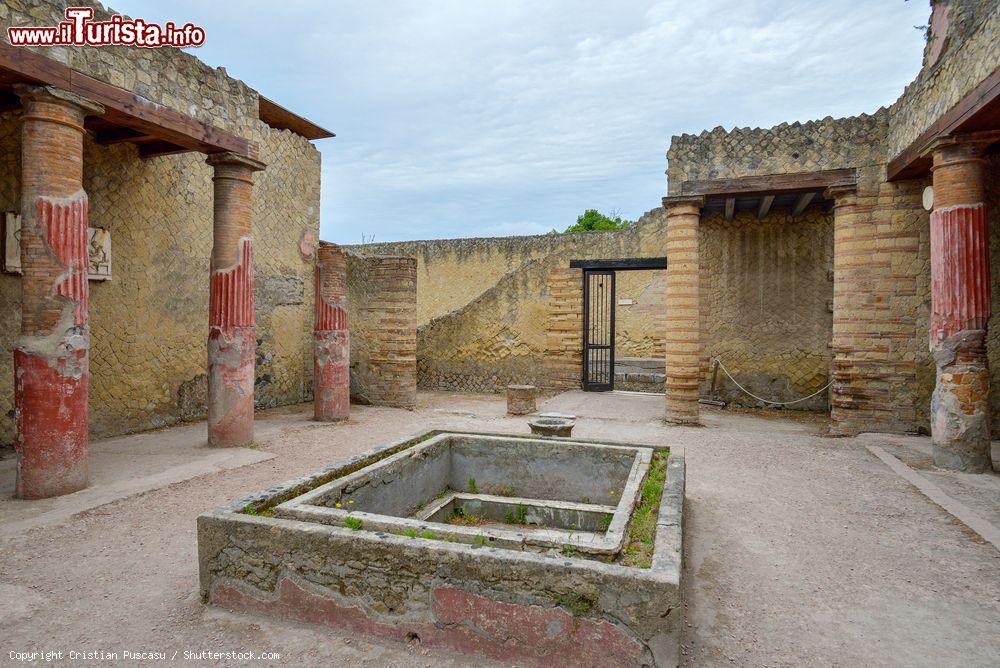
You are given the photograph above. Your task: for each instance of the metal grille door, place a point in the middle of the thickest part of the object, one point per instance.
(598, 330)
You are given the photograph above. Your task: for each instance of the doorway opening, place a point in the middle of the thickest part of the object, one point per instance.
(599, 304)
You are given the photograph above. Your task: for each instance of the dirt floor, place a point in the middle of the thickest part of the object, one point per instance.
(799, 549)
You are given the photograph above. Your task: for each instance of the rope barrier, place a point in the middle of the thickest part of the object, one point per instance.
(766, 401)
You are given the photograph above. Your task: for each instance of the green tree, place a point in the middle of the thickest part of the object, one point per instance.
(593, 220)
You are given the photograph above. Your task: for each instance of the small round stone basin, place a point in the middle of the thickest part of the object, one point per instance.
(552, 426)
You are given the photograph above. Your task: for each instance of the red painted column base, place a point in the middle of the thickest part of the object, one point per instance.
(960, 311)
(50, 400)
(230, 386)
(332, 375)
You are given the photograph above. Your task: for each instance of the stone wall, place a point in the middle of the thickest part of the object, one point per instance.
(993, 333)
(149, 323)
(767, 290)
(787, 148)
(166, 76)
(766, 297)
(970, 55)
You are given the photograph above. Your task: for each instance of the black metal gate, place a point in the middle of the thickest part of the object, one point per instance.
(598, 330)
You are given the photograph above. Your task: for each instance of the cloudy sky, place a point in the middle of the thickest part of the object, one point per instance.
(500, 117)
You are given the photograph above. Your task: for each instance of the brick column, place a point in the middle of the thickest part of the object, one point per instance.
(331, 356)
(563, 364)
(232, 342)
(683, 337)
(960, 307)
(51, 356)
(393, 360)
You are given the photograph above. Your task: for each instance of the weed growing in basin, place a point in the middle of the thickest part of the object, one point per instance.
(410, 533)
(638, 550)
(249, 509)
(353, 523)
(517, 517)
(606, 521)
(578, 604)
(429, 535)
(472, 486)
(465, 520)
(568, 550)
(499, 490)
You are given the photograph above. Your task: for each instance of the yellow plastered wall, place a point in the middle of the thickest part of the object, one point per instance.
(149, 323)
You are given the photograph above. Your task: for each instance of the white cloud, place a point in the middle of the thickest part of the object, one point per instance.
(466, 119)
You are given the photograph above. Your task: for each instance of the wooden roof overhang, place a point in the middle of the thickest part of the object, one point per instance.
(278, 117)
(977, 112)
(763, 194)
(131, 118)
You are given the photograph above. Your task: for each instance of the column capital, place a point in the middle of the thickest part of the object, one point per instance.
(968, 145)
(838, 191)
(53, 95)
(697, 201)
(235, 160)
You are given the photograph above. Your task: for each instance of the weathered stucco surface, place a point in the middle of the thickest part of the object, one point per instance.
(148, 341)
(147, 364)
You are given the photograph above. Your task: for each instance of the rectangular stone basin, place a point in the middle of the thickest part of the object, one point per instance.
(531, 571)
(553, 478)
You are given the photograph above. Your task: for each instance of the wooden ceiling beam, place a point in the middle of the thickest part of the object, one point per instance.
(802, 203)
(769, 183)
(118, 136)
(730, 207)
(123, 107)
(153, 149)
(765, 206)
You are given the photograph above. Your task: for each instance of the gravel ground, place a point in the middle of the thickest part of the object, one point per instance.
(799, 549)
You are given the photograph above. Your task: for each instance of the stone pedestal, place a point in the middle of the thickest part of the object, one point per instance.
(683, 339)
(232, 342)
(51, 356)
(960, 306)
(521, 399)
(331, 357)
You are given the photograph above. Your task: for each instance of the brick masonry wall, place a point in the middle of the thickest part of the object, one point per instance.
(148, 334)
(167, 76)
(562, 365)
(883, 371)
(381, 305)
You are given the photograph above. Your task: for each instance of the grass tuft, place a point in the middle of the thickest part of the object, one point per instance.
(638, 550)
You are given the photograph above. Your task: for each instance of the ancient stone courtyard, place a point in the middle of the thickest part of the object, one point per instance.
(753, 426)
(800, 549)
